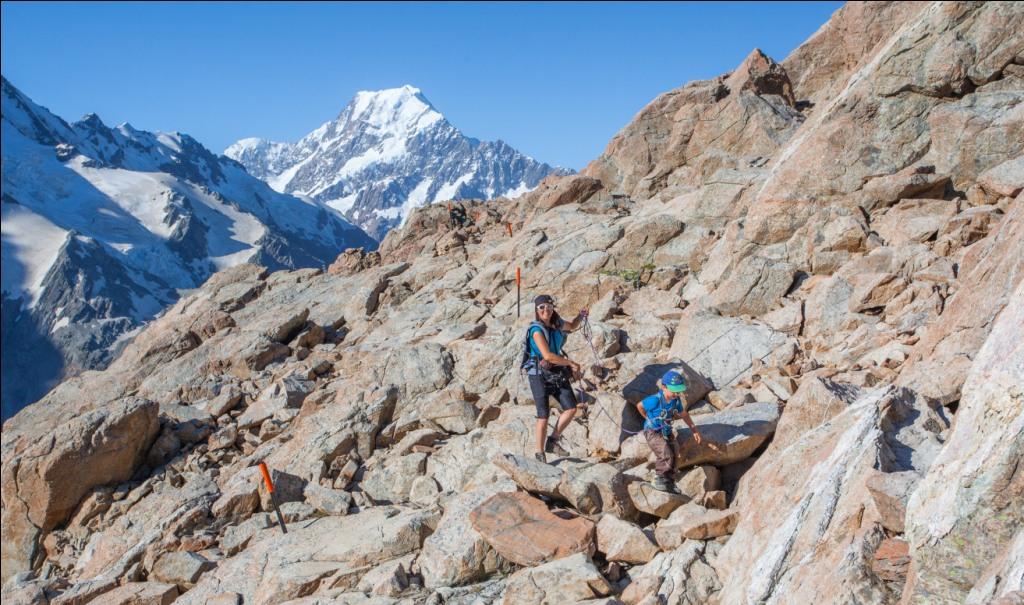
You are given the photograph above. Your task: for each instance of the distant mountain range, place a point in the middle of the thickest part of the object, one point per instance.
(386, 153)
(103, 227)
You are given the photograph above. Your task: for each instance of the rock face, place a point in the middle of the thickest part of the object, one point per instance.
(46, 475)
(388, 152)
(829, 247)
(964, 518)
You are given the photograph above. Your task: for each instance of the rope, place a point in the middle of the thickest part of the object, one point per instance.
(621, 428)
(588, 333)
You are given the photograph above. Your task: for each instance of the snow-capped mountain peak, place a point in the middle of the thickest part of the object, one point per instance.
(387, 152)
(395, 111)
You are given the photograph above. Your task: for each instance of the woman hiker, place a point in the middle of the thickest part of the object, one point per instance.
(550, 371)
(658, 411)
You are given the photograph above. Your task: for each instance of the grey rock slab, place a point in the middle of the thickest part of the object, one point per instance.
(734, 434)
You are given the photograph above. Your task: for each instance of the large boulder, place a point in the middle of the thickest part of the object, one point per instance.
(456, 553)
(568, 580)
(48, 469)
(728, 436)
(682, 575)
(522, 529)
(802, 505)
(280, 567)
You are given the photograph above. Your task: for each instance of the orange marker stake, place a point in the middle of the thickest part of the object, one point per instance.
(509, 226)
(519, 280)
(273, 496)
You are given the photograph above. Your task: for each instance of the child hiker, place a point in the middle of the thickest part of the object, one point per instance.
(658, 411)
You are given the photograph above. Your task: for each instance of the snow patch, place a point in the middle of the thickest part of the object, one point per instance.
(417, 197)
(63, 322)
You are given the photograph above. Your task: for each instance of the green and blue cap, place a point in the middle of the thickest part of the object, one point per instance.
(674, 381)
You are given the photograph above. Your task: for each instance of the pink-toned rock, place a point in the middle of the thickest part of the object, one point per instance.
(1006, 179)
(524, 531)
(891, 560)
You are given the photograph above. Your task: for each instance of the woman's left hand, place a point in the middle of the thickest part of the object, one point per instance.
(584, 313)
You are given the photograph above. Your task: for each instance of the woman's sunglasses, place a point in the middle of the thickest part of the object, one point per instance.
(545, 307)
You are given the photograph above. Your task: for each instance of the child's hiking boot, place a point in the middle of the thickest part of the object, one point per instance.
(665, 484)
(541, 457)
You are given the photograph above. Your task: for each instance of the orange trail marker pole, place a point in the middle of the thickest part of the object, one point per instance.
(519, 280)
(273, 496)
(509, 226)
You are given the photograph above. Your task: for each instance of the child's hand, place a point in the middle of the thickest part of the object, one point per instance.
(698, 438)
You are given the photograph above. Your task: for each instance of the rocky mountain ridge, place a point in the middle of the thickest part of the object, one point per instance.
(388, 152)
(103, 227)
(819, 244)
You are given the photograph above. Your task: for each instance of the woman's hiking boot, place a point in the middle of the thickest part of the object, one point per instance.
(552, 446)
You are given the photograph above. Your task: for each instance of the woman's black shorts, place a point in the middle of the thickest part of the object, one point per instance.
(555, 387)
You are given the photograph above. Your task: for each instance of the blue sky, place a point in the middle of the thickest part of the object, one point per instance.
(555, 80)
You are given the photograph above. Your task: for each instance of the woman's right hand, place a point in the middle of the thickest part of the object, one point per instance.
(575, 367)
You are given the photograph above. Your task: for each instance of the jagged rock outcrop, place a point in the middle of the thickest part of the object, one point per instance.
(839, 282)
(964, 521)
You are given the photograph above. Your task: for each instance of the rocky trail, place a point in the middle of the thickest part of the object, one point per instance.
(831, 248)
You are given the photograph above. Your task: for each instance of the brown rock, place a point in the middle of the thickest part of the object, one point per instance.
(714, 499)
(353, 260)
(523, 531)
(892, 560)
(891, 492)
